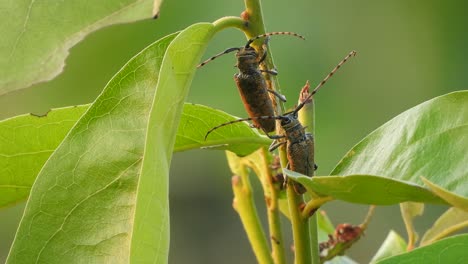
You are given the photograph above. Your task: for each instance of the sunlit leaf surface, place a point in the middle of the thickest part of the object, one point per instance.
(429, 140)
(102, 196)
(366, 189)
(36, 35)
(27, 141)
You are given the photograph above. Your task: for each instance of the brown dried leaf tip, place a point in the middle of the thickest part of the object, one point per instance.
(304, 95)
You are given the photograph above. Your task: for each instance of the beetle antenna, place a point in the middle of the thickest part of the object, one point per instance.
(241, 120)
(218, 55)
(250, 41)
(351, 54)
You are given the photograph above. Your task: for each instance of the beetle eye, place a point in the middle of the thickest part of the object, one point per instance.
(286, 120)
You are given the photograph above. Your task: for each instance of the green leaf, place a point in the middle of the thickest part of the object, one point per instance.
(36, 35)
(102, 195)
(449, 250)
(449, 222)
(150, 237)
(429, 140)
(27, 141)
(365, 189)
(393, 245)
(197, 120)
(452, 198)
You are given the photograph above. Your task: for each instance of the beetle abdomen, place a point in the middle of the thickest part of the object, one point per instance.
(257, 102)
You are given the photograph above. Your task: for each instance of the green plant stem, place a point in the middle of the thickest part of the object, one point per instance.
(253, 8)
(274, 223)
(302, 248)
(314, 204)
(253, 14)
(259, 162)
(314, 243)
(245, 207)
(300, 226)
(244, 203)
(307, 119)
(370, 214)
(229, 21)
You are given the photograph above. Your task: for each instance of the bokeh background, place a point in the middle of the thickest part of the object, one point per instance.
(408, 52)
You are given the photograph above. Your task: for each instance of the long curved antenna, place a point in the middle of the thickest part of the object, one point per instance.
(351, 54)
(218, 55)
(241, 120)
(271, 34)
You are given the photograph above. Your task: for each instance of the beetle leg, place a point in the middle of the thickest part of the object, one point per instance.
(280, 96)
(275, 144)
(263, 57)
(272, 72)
(265, 47)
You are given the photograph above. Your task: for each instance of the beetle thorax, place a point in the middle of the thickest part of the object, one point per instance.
(293, 128)
(247, 60)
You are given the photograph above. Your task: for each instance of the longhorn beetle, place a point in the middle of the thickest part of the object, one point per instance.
(299, 143)
(251, 83)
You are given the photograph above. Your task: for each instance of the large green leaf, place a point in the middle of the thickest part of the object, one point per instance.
(365, 189)
(429, 140)
(449, 250)
(150, 235)
(36, 35)
(27, 141)
(102, 196)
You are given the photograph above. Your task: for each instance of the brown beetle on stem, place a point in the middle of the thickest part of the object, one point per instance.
(251, 82)
(299, 143)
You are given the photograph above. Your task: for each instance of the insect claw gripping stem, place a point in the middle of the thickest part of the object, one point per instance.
(251, 82)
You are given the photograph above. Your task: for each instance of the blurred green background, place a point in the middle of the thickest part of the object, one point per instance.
(408, 52)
